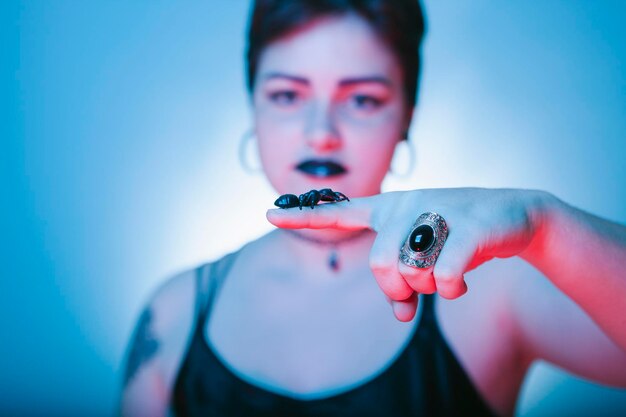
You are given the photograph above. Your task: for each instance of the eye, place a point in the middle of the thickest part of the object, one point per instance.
(284, 97)
(366, 102)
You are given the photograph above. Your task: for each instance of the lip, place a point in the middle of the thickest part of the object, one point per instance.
(321, 168)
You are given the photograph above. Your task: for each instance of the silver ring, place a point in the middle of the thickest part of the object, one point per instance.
(423, 245)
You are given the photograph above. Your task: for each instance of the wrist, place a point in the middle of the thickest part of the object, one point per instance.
(540, 209)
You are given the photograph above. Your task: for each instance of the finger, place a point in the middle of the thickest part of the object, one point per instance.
(420, 279)
(453, 262)
(358, 213)
(384, 260)
(405, 310)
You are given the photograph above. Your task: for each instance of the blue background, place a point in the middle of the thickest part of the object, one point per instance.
(118, 162)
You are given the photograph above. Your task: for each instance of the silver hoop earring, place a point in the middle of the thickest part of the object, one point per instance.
(244, 151)
(409, 157)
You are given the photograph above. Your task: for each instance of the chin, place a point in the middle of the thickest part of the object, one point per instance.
(299, 183)
(346, 187)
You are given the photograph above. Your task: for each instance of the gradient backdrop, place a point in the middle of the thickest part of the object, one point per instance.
(118, 161)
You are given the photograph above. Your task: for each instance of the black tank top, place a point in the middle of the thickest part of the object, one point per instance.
(424, 380)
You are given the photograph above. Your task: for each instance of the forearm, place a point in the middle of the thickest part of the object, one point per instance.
(585, 257)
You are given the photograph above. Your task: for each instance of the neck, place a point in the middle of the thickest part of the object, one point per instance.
(313, 250)
(327, 237)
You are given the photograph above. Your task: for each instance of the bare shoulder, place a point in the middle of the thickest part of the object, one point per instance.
(158, 345)
(173, 303)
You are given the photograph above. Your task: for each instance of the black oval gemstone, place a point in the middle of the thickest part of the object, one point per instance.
(422, 238)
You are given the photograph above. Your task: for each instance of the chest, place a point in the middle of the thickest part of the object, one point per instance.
(305, 341)
(312, 343)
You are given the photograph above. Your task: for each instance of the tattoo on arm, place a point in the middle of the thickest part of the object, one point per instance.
(143, 348)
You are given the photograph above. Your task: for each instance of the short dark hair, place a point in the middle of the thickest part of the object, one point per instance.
(399, 23)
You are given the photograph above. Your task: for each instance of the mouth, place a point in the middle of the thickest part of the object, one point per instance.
(321, 168)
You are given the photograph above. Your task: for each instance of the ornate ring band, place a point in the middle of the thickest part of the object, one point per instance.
(423, 245)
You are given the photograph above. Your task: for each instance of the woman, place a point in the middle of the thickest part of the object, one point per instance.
(295, 322)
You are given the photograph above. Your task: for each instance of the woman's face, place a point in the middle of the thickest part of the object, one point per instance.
(329, 108)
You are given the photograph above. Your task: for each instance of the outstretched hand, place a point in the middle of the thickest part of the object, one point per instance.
(482, 223)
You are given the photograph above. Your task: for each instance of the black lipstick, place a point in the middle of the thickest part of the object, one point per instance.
(321, 168)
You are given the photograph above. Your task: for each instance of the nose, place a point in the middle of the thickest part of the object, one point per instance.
(321, 133)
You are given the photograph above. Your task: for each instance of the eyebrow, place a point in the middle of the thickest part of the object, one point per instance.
(365, 80)
(299, 80)
(346, 82)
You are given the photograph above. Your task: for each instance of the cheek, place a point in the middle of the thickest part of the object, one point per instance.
(374, 160)
(273, 156)
(277, 150)
(276, 128)
(373, 145)
(376, 138)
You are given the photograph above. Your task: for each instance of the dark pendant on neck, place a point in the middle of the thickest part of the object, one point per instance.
(333, 260)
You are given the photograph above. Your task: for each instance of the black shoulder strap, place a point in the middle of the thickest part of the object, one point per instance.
(202, 288)
(209, 280)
